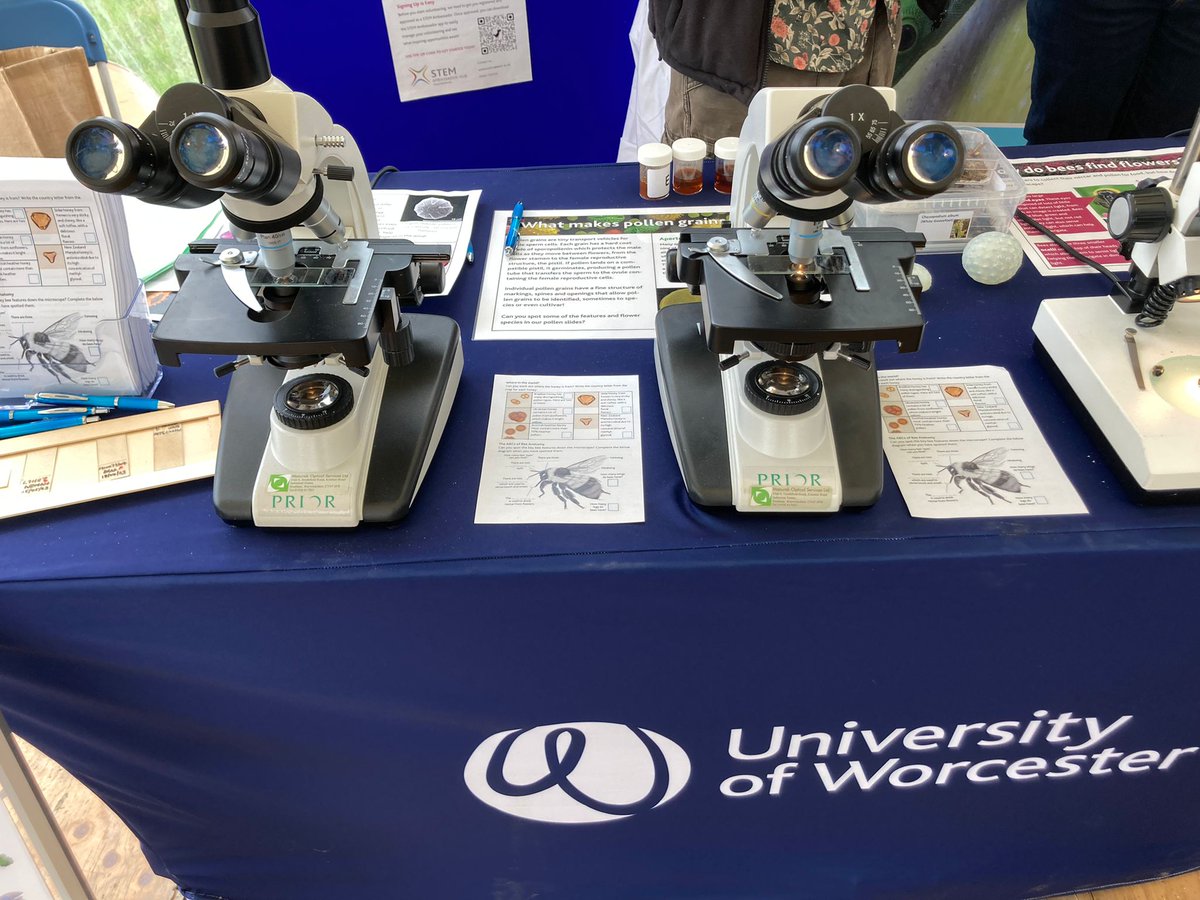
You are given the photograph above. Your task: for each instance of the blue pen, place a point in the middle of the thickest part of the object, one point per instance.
(514, 229)
(36, 415)
(470, 252)
(7, 431)
(85, 400)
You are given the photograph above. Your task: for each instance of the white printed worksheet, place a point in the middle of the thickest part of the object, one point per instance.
(583, 274)
(562, 450)
(430, 217)
(962, 444)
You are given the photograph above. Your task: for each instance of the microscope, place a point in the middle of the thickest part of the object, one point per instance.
(339, 393)
(1132, 359)
(769, 383)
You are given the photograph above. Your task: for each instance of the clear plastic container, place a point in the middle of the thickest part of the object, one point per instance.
(106, 356)
(654, 171)
(687, 170)
(725, 150)
(983, 199)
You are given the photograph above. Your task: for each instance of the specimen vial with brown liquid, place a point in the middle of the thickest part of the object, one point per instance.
(725, 150)
(654, 171)
(687, 170)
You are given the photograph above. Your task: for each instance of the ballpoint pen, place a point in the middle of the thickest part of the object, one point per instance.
(7, 431)
(470, 252)
(49, 412)
(514, 229)
(82, 399)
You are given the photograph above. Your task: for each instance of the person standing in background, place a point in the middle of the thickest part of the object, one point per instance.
(1106, 69)
(721, 52)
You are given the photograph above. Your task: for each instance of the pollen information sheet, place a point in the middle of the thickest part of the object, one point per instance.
(583, 274)
(562, 450)
(1071, 196)
(962, 444)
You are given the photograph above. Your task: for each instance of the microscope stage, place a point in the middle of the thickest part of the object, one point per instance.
(885, 311)
(339, 317)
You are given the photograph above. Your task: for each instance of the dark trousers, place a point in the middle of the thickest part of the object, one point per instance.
(1113, 69)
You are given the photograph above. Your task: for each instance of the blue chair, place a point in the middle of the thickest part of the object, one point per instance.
(57, 23)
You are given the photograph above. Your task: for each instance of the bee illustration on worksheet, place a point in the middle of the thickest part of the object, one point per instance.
(571, 482)
(52, 349)
(984, 476)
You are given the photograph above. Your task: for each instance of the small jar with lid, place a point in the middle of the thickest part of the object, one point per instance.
(687, 170)
(725, 150)
(654, 171)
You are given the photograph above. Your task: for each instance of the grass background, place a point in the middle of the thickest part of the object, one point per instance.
(146, 38)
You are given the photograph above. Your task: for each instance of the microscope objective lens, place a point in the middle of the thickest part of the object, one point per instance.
(99, 153)
(829, 153)
(932, 157)
(203, 149)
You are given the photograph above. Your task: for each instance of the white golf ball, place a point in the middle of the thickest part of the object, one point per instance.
(993, 257)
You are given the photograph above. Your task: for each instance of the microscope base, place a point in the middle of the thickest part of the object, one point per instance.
(689, 382)
(1154, 432)
(415, 403)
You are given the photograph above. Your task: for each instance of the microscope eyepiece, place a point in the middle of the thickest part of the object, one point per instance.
(933, 157)
(114, 157)
(99, 154)
(218, 154)
(815, 157)
(203, 150)
(831, 152)
(919, 160)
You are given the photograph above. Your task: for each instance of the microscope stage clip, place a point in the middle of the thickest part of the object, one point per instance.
(723, 251)
(234, 262)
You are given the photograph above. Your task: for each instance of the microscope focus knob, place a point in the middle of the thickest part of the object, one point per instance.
(1143, 215)
(397, 344)
(673, 265)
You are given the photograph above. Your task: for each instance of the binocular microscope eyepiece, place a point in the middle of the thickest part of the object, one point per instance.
(851, 146)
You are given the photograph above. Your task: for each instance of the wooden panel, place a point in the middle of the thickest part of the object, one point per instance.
(107, 851)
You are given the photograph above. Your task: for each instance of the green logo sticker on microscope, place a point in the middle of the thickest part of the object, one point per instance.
(760, 496)
(277, 483)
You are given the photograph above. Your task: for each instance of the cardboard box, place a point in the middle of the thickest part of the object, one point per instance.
(44, 93)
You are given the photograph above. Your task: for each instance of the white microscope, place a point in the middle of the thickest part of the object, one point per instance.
(338, 395)
(769, 383)
(1133, 359)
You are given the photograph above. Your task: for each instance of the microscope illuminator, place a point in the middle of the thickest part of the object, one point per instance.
(1154, 433)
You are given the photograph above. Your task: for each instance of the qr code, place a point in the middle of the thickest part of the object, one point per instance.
(497, 34)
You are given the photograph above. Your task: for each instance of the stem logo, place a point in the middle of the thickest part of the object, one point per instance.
(577, 772)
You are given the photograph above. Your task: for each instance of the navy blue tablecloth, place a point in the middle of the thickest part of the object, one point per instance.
(298, 715)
